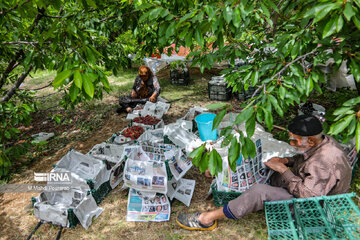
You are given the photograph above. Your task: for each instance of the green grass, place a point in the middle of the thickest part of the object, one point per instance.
(113, 220)
(41, 77)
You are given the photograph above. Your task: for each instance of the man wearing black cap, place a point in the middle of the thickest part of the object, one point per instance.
(320, 168)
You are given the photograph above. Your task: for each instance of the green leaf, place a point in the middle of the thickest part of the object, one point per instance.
(170, 30)
(164, 13)
(216, 106)
(265, 9)
(188, 38)
(105, 82)
(7, 134)
(78, 79)
(234, 151)
(199, 37)
(339, 23)
(237, 18)
(217, 120)
(209, 11)
(60, 78)
(213, 162)
(348, 11)
(352, 102)
(250, 126)
(88, 86)
(197, 152)
(250, 147)
(91, 76)
(204, 162)
(144, 16)
(187, 16)
(226, 131)
(272, 5)
(74, 90)
(255, 78)
(244, 115)
(294, 69)
(155, 13)
(339, 126)
(356, 22)
(91, 3)
(330, 27)
(268, 119)
(355, 69)
(295, 50)
(276, 105)
(14, 130)
(357, 135)
(282, 92)
(309, 85)
(228, 14)
(320, 14)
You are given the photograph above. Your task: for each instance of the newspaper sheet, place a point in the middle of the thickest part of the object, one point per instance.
(158, 151)
(173, 186)
(248, 172)
(147, 176)
(179, 164)
(185, 192)
(143, 209)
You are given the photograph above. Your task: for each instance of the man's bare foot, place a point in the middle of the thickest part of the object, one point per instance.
(129, 109)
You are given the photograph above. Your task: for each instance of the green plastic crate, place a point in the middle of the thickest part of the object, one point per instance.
(168, 171)
(100, 193)
(221, 198)
(326, 217)
(73, 220)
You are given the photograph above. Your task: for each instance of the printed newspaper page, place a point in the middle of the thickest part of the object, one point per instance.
(179, 165)
(146, 176)
(185, 192)
(173, 186)
(142, 209)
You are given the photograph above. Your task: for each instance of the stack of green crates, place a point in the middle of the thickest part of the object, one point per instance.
(326, 217)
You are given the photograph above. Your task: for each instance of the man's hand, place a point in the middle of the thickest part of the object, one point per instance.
(133, 94)
(152, 98)
(277, 164)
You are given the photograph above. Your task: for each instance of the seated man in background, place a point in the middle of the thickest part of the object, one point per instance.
(146, 88)
(320, 168)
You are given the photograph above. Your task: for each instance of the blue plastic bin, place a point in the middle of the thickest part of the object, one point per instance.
(205, 122)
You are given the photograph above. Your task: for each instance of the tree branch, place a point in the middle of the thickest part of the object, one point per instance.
(292, 62)
(36, 89)
(12, 65)
(13, 89)
(257, 90)
(22, 42)
(13, 8)
(51, 16)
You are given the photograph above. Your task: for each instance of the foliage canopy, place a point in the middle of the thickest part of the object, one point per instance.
(283, 42)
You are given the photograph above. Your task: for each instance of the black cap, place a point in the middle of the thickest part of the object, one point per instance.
(305, 125)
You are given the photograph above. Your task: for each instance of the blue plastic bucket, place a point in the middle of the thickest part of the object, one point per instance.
(205, 122)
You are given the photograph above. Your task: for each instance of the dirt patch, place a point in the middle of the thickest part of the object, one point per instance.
(93, 126)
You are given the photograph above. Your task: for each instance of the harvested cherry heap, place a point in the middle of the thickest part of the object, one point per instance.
(133, 132)
(147, 120)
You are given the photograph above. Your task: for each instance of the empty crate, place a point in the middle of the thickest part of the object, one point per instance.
(218, 89)
(180, 76)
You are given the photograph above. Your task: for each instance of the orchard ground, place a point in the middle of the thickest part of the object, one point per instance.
(96, 121)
